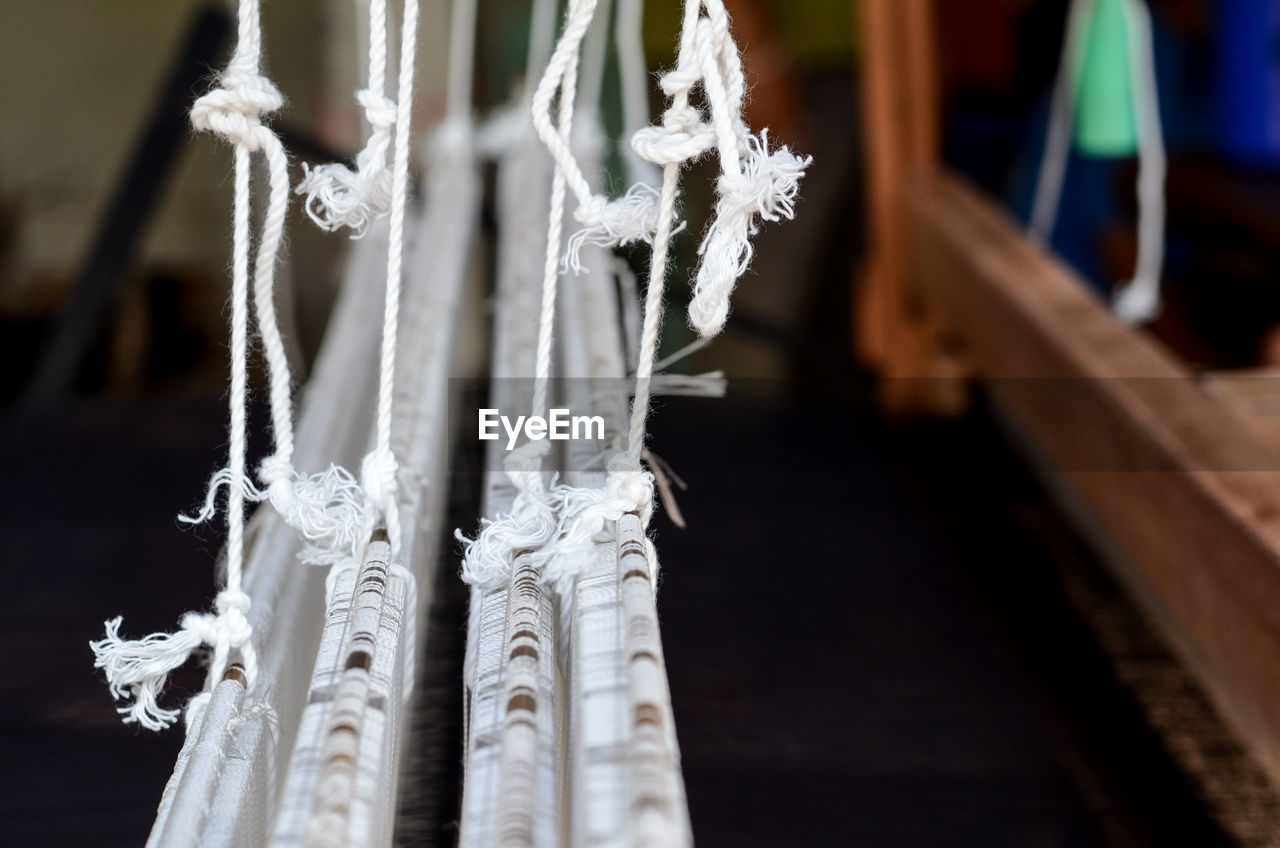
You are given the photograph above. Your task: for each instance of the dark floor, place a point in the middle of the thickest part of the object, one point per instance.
(866, 647)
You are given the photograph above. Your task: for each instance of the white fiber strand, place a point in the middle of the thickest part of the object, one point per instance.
(138, 669)
(338, 196)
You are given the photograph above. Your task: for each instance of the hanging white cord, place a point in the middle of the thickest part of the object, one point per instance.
(378, 473)
(1062, 109)
(338, 197)
(487, 559)
(1137, 301)
(138, 669)
(754, 185)
(628, 488)
(606, 223)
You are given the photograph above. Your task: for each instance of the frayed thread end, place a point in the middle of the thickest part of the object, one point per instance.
(531, 524)
(584, 515)
(765, 190)
(222, 477)
(338, 196)
(629, 219)
(138, 669)
(327, 508)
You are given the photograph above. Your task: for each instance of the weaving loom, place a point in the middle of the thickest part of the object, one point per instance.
(300, 734)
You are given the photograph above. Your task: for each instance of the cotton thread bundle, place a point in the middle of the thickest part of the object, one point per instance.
(333, 511)
(489, 558)
(607, 223)
(754, 185)
(336, 195)
(138, 669)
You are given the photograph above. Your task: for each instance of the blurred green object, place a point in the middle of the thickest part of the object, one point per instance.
(1105, 117)
(816, 33)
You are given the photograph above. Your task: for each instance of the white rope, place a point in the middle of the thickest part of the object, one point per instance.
(1062, 108)
(488, 558)
(138, 669)
(606, 223)
(332, 510)
(754, 185)
(337, 196)
(1138, 300)
(378, 472)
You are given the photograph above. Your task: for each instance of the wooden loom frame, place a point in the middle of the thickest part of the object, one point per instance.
(1174, 477)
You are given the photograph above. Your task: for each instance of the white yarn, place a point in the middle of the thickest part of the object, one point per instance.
(1138, 300)
(222, 477)
(754, 185)
(608, 223)
(337, 196)
(488, 559)
(764, 189)
(1062, 108)
(139, 669)
(378, 473)
(333, 512)
(584, 513)
(613, 223)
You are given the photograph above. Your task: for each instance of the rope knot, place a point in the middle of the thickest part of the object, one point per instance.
(378, 479)
(630, 486)
(766, 186)
(277, 473)
(234, 109)
(613, 223)
(379, 110)
(233, 601)
(682, 137)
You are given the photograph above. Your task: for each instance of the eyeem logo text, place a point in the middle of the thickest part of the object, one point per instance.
(559, 425)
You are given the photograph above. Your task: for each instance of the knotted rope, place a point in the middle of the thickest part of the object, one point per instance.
(336, 195)
(138, 669)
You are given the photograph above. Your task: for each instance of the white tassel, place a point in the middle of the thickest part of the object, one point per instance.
(339, 197)
(584, 514)
(139, 668)
(531, 524)
(327, 509)
(767, 187)
(608, 223)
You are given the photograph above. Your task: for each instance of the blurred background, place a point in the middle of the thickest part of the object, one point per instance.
(879, 630)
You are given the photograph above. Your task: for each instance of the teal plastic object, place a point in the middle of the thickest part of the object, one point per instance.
(1106, 123)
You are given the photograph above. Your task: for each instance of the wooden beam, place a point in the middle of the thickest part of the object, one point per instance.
(894, 330)
(1172, 485)
(1253, 395)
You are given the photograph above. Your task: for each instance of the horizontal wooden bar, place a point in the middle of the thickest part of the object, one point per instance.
(1176, 489)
